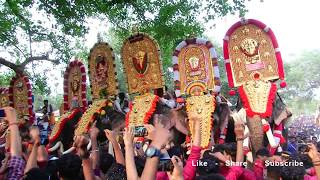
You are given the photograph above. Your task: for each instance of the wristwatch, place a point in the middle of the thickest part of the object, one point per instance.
(152, 152)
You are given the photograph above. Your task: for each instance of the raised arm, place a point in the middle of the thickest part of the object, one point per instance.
(81, 143)
(94, 131)
(130, 164)
(16, 164)
(239, 131)
(315, 157)
(15, 139)
(189, 171)
(116, 146)
(32, 160)
(161, 136)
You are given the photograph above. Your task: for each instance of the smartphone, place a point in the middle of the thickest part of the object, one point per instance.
(140, 131)
(165, 165)
(2, 113)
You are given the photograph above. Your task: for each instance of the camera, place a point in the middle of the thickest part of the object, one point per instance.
(140, 131)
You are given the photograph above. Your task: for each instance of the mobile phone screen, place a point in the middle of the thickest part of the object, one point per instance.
(2, 113)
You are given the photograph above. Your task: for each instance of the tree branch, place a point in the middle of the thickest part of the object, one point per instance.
(9, 64)
(38, 58)
(20, 67)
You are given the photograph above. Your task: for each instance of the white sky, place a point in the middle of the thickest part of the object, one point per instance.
(293, 22)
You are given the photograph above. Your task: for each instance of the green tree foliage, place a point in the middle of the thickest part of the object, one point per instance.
(34, 30)
(303, 79)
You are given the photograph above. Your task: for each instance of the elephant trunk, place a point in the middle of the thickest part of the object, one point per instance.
(256, 132)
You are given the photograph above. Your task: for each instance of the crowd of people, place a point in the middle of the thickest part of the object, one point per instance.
(159, 152)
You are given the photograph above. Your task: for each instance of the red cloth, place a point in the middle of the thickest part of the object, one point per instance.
(247, 175)
(258, 169)
(237, 173)
(234, 173)
(189, 171)
(307, 177)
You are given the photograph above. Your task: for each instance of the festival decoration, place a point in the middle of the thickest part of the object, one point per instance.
(89, 115)
(102, 71)
(195, 67)
(196, 73)
(203, 106)
(73, 115)
(142, 64)
(252, 61)
(4, 97)
(20, 97)
(141, 109)
(74, 85)
(251, 52)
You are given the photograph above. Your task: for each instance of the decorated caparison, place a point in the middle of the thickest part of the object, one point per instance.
(196, 74)
(20, 97)
(4, 97)
(63, 130)
(102, 71)
(195, 67)
(75, 85)
(88, 117)
(253, 64)
(142, 64)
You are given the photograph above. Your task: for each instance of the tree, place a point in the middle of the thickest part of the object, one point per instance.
(303, 79)
(32, 31)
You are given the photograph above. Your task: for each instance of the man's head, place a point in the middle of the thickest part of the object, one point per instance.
(263, 154)
(69, 166)
(46, 102)
(293, 139)
(314, 139)
(106, 161)
(292, 171)
(121, 95)
(35, 173)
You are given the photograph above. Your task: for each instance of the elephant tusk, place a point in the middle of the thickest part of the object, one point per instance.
(269, 134)
(89, 145)
(55, 147)
(69, 150)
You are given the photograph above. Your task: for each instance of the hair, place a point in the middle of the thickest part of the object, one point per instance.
(263, 152)
(106, 161)
(210, 176)
(116, 172)
(211, 167)
(219, 148)
(273, 172)
(307, 161)
(292, 172)
(69, 166)
(140, 162)
(231, 149)
(46, 100)
(36, 173)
